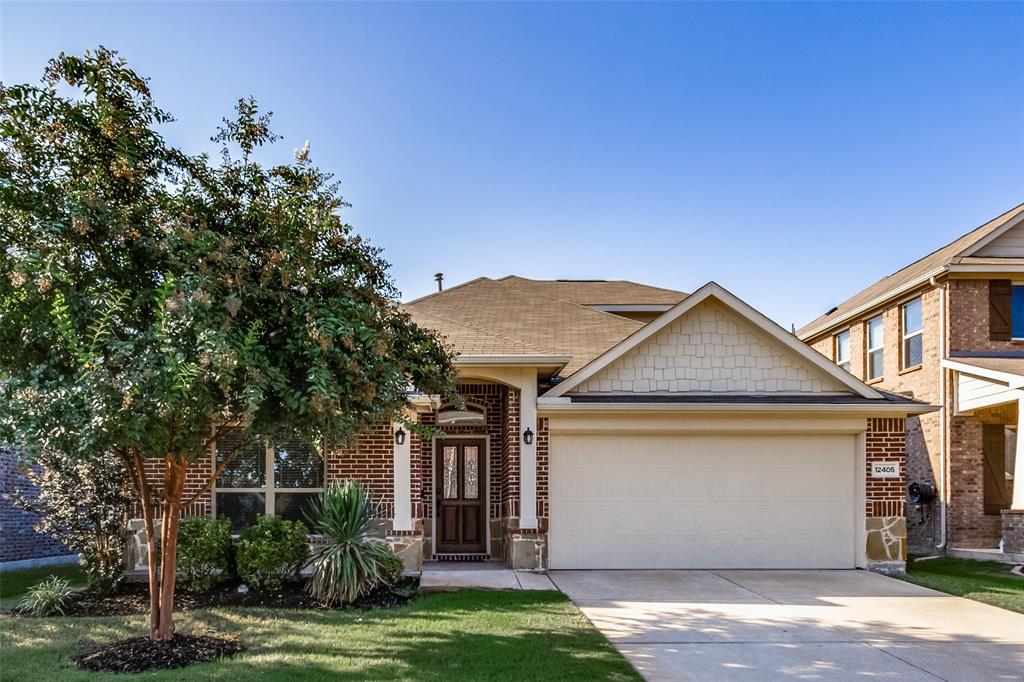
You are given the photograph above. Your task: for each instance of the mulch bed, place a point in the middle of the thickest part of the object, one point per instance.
(133, 598)
(140, 653)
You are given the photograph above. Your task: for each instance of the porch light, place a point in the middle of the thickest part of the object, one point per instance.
(528, 436)
(399, 436)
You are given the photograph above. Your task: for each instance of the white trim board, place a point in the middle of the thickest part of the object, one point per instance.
(741, 308)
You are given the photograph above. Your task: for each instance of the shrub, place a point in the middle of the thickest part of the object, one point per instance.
(47, 598)
(84, 504)
(271, 552)
(353, 562)
(204, 549)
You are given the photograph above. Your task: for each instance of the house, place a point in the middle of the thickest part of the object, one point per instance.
(948, 329)
(608, 424)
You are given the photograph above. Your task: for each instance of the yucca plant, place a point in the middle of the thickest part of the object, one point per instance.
(353, 561)
(47, 598)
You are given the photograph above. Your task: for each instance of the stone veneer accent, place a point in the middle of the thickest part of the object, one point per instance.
(710, 348)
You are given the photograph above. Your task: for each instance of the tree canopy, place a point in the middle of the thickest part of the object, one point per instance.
(151, 297)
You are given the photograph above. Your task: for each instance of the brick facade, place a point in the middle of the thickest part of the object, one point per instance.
(371, 461)
(18, 538)
(885, 441)
(966, 330)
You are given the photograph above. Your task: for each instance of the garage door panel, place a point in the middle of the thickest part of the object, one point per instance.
(692, 501)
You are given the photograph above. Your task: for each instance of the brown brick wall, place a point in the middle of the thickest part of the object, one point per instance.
(967, 311)
(543, 468)
(196, 476)
(885, 442)
(371, 461)
(968, 316)
(510, 463)
(923, 435)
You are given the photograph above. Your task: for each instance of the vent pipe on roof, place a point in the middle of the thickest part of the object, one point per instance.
(440, 279)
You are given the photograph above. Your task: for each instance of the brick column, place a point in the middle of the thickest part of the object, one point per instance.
(885, 499)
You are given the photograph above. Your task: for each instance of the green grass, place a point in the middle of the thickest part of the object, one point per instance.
(986, 581)
(16, 583)
(469, 635)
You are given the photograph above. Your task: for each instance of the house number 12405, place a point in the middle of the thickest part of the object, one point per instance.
(885, 470)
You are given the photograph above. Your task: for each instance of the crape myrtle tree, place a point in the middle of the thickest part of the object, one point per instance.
(152, 299)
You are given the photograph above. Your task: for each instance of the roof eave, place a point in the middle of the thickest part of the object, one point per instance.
(803, 335)
(545, 405)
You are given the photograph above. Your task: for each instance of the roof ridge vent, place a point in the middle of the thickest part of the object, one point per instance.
(581, 280)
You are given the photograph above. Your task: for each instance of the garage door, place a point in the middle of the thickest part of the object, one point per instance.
(702, 501)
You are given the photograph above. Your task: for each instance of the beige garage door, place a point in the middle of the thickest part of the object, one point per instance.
(702, 501)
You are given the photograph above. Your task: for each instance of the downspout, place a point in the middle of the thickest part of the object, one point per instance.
(943, 498)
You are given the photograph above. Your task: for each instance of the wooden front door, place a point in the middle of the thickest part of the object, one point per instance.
(460, 476)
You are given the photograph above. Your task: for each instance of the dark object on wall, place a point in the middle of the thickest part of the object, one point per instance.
(920, 493)
(999, 316)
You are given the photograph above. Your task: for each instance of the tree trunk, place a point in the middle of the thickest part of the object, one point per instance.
(146, 501)
(174, 485)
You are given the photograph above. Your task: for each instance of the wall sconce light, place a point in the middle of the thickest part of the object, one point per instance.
(528, 436)
(399, 436)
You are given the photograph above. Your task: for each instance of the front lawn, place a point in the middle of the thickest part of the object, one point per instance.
(986, 581)
(16, 583)
(469, 635)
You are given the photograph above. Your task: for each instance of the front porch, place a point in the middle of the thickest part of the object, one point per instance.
(986, 488)
(478, 492)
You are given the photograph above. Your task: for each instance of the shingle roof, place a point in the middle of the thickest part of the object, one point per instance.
(943, 256)
(598, 292)
(513, 315)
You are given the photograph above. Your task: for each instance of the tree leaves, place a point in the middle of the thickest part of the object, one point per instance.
(150, 293)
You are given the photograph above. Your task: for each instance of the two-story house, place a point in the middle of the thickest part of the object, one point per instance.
(948, 329)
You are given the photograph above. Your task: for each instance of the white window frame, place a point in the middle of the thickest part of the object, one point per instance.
(849, 349)
(269, 491)
(880, 348)
(904, 336)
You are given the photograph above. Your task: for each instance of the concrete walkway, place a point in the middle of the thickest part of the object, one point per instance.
(819, 625)
(442, 577)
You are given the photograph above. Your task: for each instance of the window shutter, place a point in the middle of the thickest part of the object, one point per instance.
(999, 310)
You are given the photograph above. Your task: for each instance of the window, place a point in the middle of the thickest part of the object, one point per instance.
(876, 347)
(281, 479)
(1017, 312)
(842, 349)
(913, 339)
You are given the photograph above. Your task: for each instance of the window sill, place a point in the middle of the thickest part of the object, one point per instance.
(908, 370)
(876, 380)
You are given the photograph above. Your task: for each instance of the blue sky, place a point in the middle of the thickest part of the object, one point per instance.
(792, 152)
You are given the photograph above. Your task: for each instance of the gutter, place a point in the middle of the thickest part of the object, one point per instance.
(943, 446)
(875, 302)
(529, 360)
(563, 405)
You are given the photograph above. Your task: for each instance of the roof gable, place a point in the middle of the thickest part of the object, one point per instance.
(712, 342)
(1008, 243)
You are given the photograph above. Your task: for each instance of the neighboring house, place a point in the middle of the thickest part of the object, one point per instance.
(614, 425)
(948, 329)
(19, 540)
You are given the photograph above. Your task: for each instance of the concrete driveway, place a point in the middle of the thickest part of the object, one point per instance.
(802, 625)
